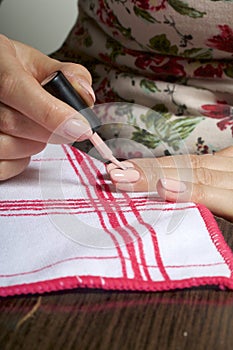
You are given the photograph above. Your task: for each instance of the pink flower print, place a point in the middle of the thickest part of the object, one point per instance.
(209, 71)
(216, 111)
(223, 41)
(150, 4)
(220, 111)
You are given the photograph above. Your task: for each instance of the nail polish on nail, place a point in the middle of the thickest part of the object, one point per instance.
(128, 175)
(112, 166)
(77, 129)
(125, 186)
(87, 87)
(173, 185)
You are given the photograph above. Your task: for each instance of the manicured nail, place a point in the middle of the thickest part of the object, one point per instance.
(173, 185)
(77, 129)
(87, 87)
(125, 186)
(112, 166)
(128, 175)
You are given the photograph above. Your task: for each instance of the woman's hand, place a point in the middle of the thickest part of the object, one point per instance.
(206, 179)
(28, 114)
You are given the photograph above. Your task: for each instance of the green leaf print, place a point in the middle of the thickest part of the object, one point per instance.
(229, 70)
(116, 47)
(144, 15)
(161, 108)
(88, 41)
(184, 9)
(159, 128)
(181, 127)
(151, 118)
(144, 137)
(149, 86)
(162, 44)
(197, 53)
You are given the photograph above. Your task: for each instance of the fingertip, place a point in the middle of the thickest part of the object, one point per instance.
(125, 187)
(80, 78)
(129, 175)
(74, 70)
(111, 166)
(172, 190)
(12, 168)
(165, 195)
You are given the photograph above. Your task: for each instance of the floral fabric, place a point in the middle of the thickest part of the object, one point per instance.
(173, 57)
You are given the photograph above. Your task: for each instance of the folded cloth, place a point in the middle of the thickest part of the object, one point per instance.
(63, 226)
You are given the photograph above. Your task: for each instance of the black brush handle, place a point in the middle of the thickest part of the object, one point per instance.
(58, 86)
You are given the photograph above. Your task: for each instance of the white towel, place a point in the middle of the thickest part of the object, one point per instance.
(64, 226)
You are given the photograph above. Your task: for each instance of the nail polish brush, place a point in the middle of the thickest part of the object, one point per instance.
(58, 86)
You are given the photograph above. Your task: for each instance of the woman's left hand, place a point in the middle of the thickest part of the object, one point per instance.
(204, 179)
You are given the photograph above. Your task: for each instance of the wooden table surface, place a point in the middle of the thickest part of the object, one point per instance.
(197, 319)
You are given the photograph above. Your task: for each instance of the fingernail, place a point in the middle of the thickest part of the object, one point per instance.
(173, 185)
(87, 87)
(77, 129)
(112, 166)
(125, 187)
(128, 175)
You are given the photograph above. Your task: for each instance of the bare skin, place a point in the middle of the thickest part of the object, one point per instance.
(206, 179)
(28, 114)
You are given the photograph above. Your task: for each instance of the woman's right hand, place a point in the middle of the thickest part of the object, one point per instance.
(28, 114)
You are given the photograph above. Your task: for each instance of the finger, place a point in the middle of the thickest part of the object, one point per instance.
(198, 169)
(216, 162)
(215, 171)
(218, 200)
(16, 148)
(16, 124)
(141, 175)
(43, 108)
(42, 66)
(202, 176)
(226, 152)
(16, 84)
(11, 168)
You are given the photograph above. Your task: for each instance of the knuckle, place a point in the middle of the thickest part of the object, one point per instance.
(48, 114)
(8, 123)
(195, 161)
(198, 195)
(205, 176)
(3, 38)
(5, 42)
(8, 83)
